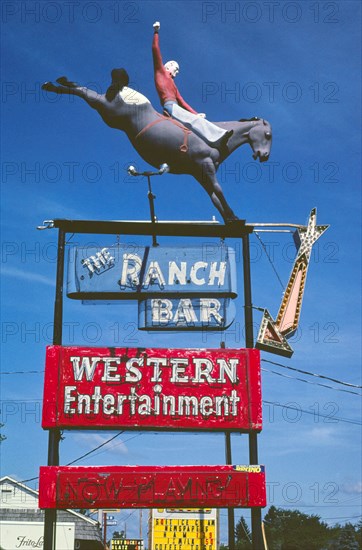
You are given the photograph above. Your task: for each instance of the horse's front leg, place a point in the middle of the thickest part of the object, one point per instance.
(208, 180)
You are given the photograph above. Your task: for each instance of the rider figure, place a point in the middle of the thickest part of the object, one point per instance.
(174, 104)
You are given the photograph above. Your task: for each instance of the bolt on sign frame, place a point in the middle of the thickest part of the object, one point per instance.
(237, 229)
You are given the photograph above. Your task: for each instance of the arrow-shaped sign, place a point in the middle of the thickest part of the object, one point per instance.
(270, 339)
(273, 334)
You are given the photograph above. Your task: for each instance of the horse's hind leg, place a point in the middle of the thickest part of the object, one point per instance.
(208, 180)
(63, 81)
(71, 88)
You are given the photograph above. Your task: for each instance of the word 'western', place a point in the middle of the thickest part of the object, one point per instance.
(195, 370)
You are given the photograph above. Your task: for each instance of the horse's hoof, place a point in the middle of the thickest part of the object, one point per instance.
(63, 81)
(48, 86)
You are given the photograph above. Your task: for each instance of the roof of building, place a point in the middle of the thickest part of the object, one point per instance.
(20, 503)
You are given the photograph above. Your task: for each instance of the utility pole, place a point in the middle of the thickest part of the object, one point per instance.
(105, 530)
(257, 536)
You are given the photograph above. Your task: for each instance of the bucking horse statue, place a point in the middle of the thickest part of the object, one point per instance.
(160, 139)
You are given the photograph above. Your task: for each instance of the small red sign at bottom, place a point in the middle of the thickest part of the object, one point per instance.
(240, 486)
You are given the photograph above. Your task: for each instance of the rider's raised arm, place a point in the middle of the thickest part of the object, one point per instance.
(156, 52)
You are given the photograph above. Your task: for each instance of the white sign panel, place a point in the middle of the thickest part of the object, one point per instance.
(30, 534)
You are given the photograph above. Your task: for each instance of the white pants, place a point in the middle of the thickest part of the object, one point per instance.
(205, 129)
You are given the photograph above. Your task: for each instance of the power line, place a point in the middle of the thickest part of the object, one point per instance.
(244, 512)
(336, 381)
(95, 449)
(126, 518)
(270, 260)
(125, 441)
(314, 413)
(80, 457)
(308, 382)
(343, 517)
(24, 372)
(321, 518)
(313, 374)
(334, 418)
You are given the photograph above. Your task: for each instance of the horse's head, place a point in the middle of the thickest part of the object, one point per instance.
(120, 79)
(125, 109)
(260, 139)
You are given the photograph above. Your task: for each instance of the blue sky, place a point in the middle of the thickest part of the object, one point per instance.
(298, 66)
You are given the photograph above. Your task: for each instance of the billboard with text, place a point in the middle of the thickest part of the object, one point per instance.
(126, 272)
(240, 486)
(189, 389)
(187, 528)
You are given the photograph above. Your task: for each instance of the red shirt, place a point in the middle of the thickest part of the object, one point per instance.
(165, 85)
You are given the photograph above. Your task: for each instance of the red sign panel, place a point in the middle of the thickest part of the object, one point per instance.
(171, 389)
(151, 486)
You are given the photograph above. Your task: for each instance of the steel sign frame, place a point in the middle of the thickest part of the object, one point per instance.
(237, 229)
(70, 487)
(163, 389)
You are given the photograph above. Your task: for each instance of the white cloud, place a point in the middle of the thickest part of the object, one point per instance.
(352, 488)
(322, 435)
(302, 440)
(94, 440)
(27, 276)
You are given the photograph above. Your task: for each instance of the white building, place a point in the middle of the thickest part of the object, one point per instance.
(22, 522)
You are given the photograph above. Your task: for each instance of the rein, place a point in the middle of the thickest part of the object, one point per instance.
(184, 146)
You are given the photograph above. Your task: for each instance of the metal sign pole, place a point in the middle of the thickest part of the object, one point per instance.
(164, 168)
(50, 516)
(151, 198)
(231, 515)
(105, 529)
(257, 536)
(228, 459)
